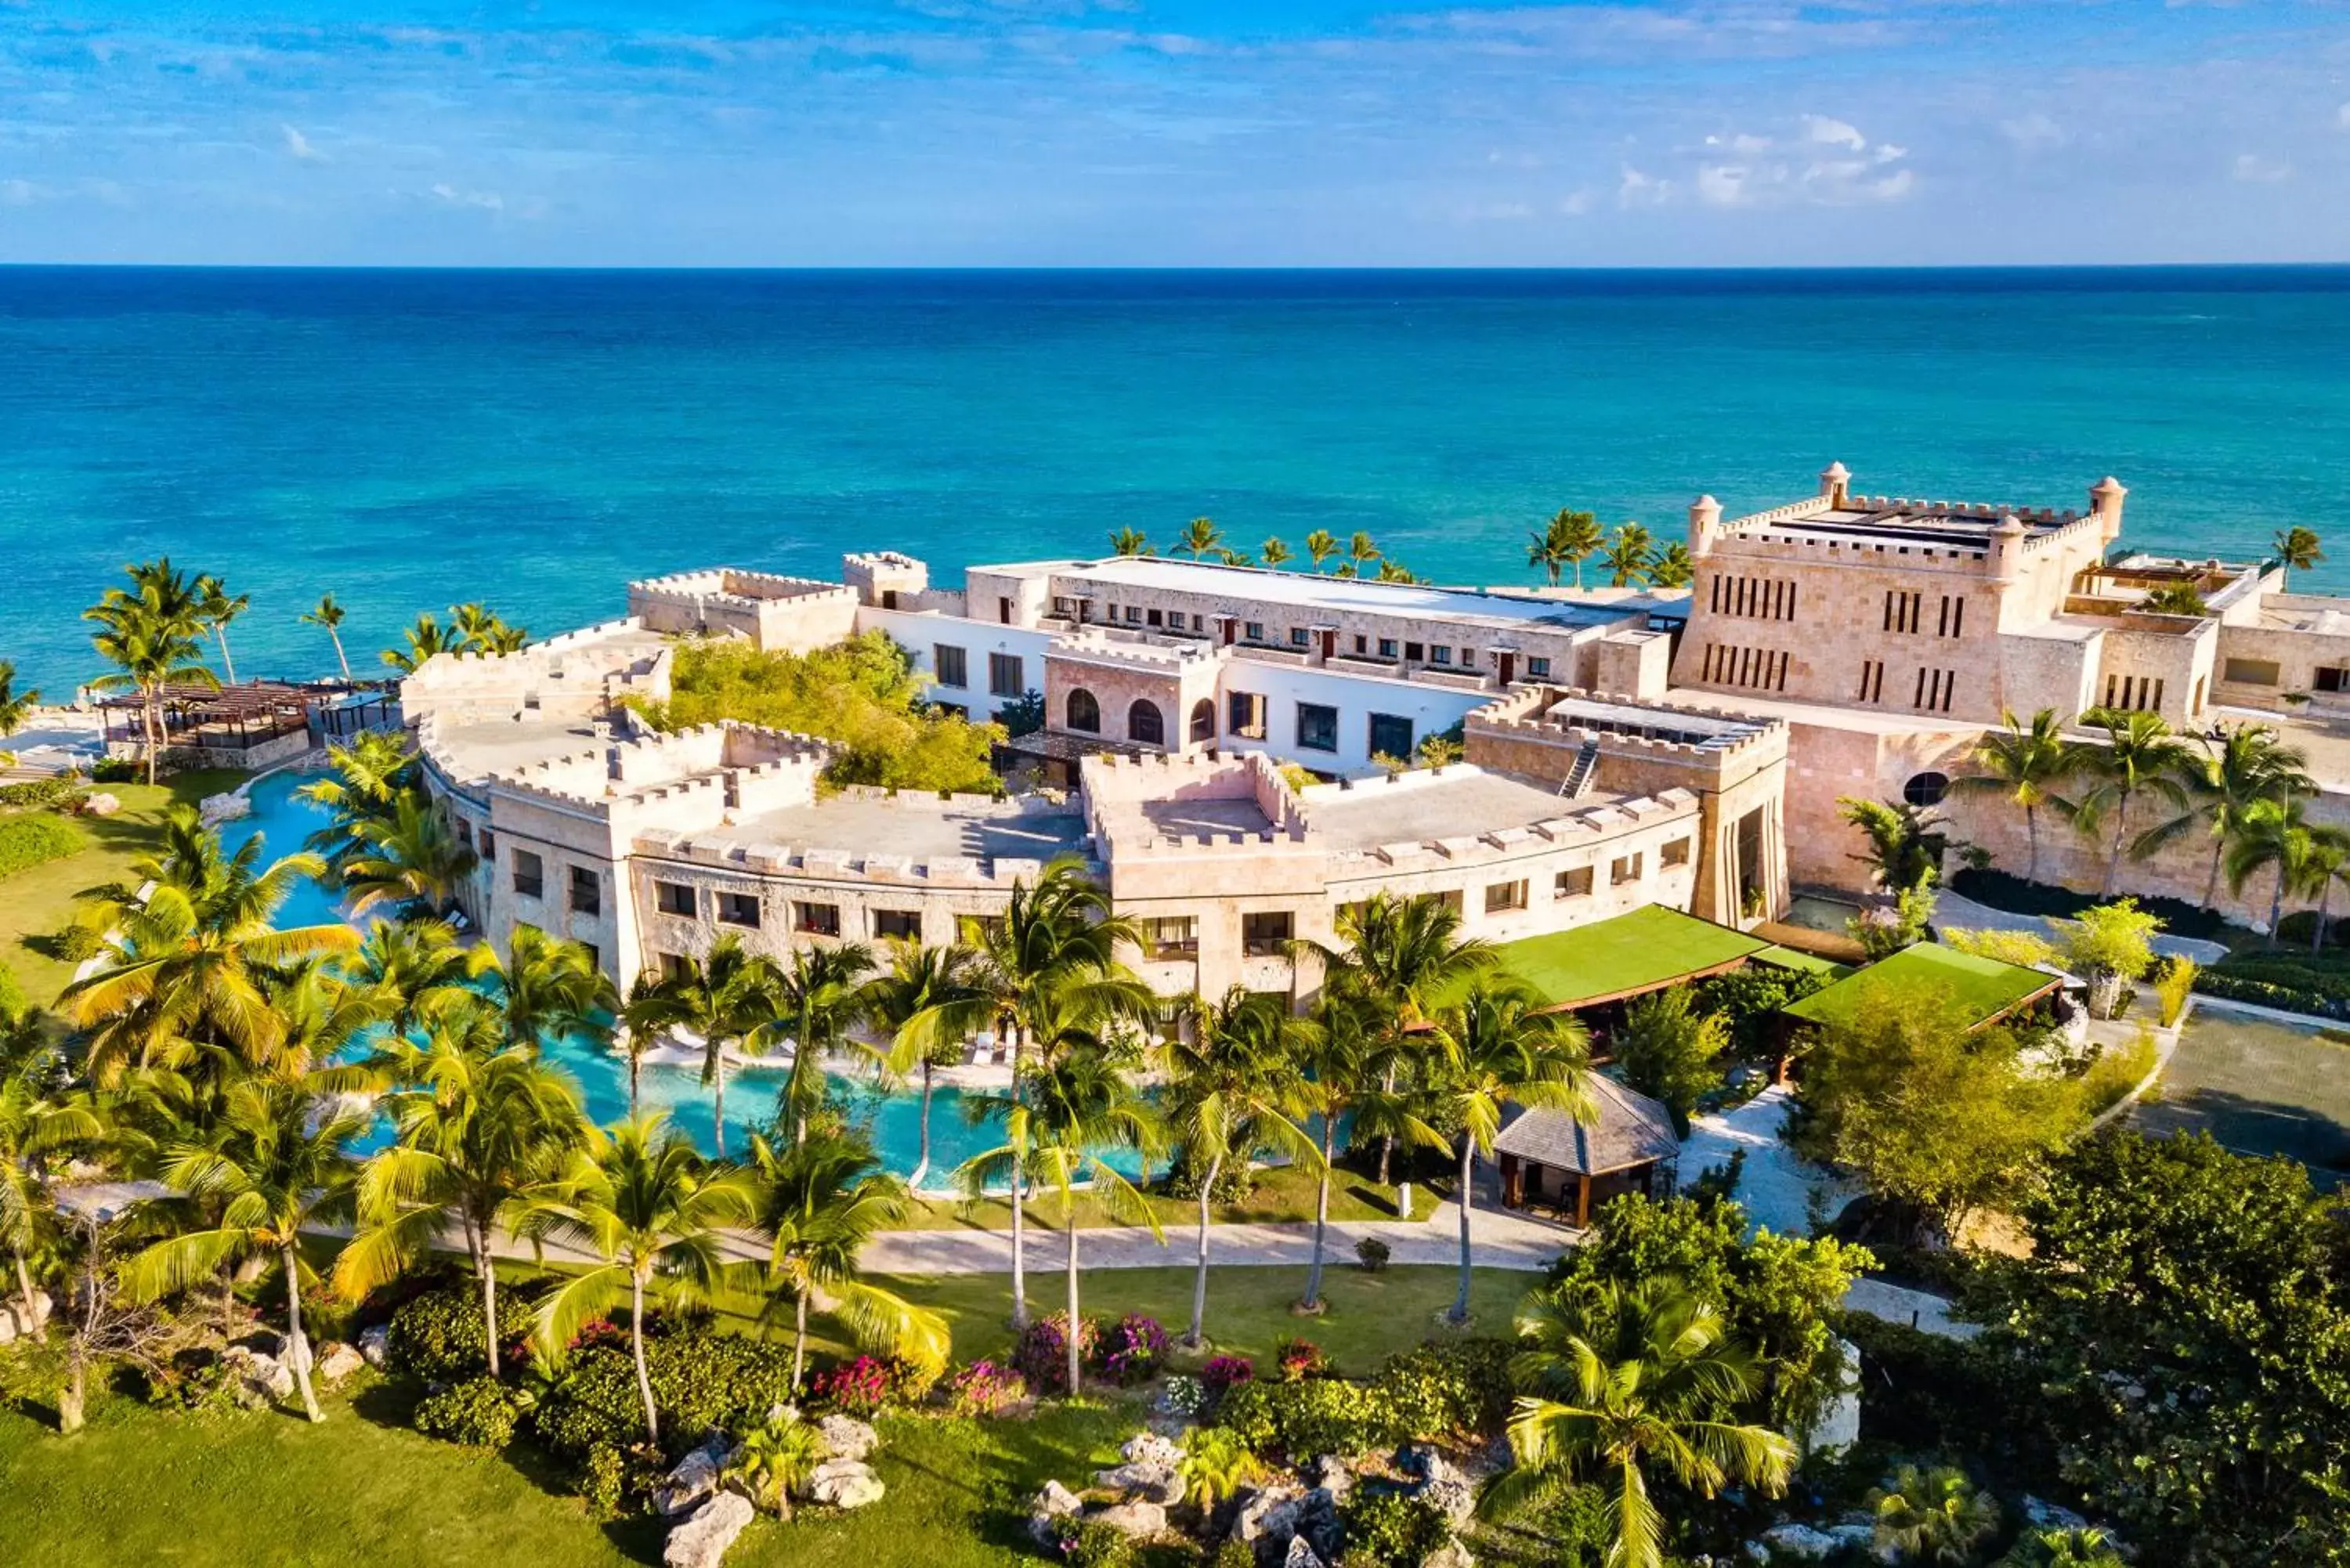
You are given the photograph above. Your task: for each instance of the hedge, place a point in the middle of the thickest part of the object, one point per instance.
(2006, 891)
(29, 841)
(41, 791)
(2271, 993)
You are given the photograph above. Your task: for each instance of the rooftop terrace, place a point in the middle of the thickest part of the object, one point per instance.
(1311, 591)
(1460, 801)
(920, 828)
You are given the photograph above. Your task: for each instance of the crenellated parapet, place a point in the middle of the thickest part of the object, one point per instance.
(1588, 826)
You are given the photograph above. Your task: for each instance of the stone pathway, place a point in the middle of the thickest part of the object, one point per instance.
(1775, 1186)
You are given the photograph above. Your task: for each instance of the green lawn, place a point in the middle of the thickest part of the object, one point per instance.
(266, 1489)
(1282, 1193)
(34, 903)
(1625, 955)
(1984, 987)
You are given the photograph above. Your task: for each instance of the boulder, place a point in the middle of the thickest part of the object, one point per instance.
(1456, 1499)
(1269, 1513)
(1331, 1475)
(339, 1362)
(256, 1379)
(227, 808)
(702, 1538)
(102, 804)
(1150, 1449)
(1838, 1427)
(1051, 1505)
(1801, 1540)
(847, 1438)
(39, 1305)
(2045, 1515)
(7, 1325)
(1757, 1552)
(1300, 1555)
(1137, 1518)
(375, 1344)
(1161, 1484)
(1451, 1554)
(845, 1483)
(695, 1478)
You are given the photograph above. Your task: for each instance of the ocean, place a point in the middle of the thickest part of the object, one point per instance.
(409, 440)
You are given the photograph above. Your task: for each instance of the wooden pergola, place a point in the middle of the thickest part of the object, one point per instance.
(226, 717)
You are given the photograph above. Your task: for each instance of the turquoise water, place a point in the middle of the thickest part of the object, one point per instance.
(535, 439)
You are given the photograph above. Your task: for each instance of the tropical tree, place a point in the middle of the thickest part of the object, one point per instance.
(913, 1000)
(1671, 1048)
(2063, 1547)
(329, 616)
(411, 860)
(653, 1211)
(1275, 552)
(1619, 1380)
(216, 608)
(1130, 542)
(482, 1125)
(276, 1163)
(815, 997)
(419, 642)
(1199, 536)
(15, 706)
(1232, 557)
(1320, 545)
(2022, 765)
(720, 999)
(1905, 842)
(1394, 571)
(1569, 538)
(36, 1122)
(477, 629)
(1346, 1061)
(1627, 555)
(408, 970)
(1670, 567)
(1078, 1105)
(2242, 766)
(547, 987)
(1933, 1515)
(152, 632)
(2296, 549)
(2274, 836)
(818, 1202)
(1495, 1047)
(776, 1458)
(1233, 1086)
(1360, 551)
(2141, 757)
(365, 778)
(1217, 1463)
(638, 1023)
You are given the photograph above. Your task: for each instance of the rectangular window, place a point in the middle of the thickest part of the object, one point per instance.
(816, 919)
(1390, 735)
(1299, 637)
(489, 846)
(1954, 616)
(1677, 853)
(1413, 653)
(1134, 615)
(1622, 869)
(1572, 884)
(1246, 709)
(1155, 619)
(1440, 654)
(1265, 935)
(1169, 937)
(1004, 610)
(1254, 631)
(950, 666)
(1004, 676)
(1501, 898)
(1872, 680)
(1362, 643)
(1539, 668)
(1387, 648)
(2253, 671)
(674, 899)
(2330, 679)
(897, 925)
(1468, 658)
(739, 910)
(1317, 728)
(529, 875)
(672, 965)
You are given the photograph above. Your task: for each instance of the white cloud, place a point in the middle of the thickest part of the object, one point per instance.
(488, 201)
(2342, 117)
(1829, 132)
(2252, 169)
(2034, 132)
(298, 146)
(1640, 190)
(1831, 163)
(1575, 203)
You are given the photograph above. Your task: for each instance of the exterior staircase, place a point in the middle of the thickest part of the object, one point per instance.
(1577, 783)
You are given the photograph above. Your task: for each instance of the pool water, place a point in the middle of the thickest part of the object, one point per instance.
(891, 1118)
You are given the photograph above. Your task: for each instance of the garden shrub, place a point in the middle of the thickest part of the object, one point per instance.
(1134, 1349)
(1748, 1000)
(114, 770)
(1390, 1529)
(858, 1388)
(479, 1413)
(1089, 1543)
(985, 1388)
(1372, 1253)
(2296, 930)
(1458, 1385)
(911, 1381)
(1184, 1394)
(193, 1380)
(1317, 1415)
(34, 792)
(1300, 1358)
(701, 1377)
(12, 994)
(603, 1478)
(1924, 1392)
(1043, 1353)
(440, 1335)
(29, 841)
(1235, 1183)
(1224, 1373)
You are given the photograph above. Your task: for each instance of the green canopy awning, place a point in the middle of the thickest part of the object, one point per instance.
(1985, 988)
(1642, 951)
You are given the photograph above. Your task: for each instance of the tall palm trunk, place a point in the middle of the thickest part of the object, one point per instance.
(718, 1090)
(636, 1068)
(477, 1236)
(2114, 860)
(1387, 1143)
(1468, 1169)
(340, 660)
(2324, 896)
(2032, 845)
(1019, 1202)
(922, 1162)
(227, 658)
(1069, 1220)
(2276, 906)
(636, 1353)
(300, 1341)
(73, 1394)
(24, 1284)
(1321, 1217)
(150, 725)
(2211, 883)
(1198, 1334)
(799, 1338)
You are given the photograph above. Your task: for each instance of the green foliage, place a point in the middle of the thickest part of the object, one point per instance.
(12, 992)
(1446, 1388)
(1296, 777)
(77, 942)
(2175, 599)
(603, 1478)
(2026, 948)
(1905, 842)
(2064, 1548)
(479, 1413)
(1372, 1253)
(1439, 1391)
(1932, 1516)
(1749, 999)
(1925, 1392)
(2012, 894)
(1089, 1543)
(193, 1380)
(113, 770)
(1884, 930)
(702, 1379)
(1216, 1465)
(1670, 1050)
(2221, 982)
(29, 841)
(2183, 1317)
(2172, 987)
(1390, 1529)
(1776, 1293)
(440, 1335)
(50, 791)
(860, 694)
(2111, 944)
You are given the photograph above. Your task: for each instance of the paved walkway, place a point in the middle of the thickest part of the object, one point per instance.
(1775, 1186)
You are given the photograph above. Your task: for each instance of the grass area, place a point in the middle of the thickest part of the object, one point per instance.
(1984, 987)
(265, 1488)
(1282, 1193)
(1631, 953)
(36, 902)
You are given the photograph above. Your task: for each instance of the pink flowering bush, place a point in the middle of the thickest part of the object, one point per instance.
(985, 1388)
(859, 1387)
(1224, 1373)
(1042, 1356)
(1134, 1348)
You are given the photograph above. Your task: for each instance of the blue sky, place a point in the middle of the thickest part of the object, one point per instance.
(1174, 132)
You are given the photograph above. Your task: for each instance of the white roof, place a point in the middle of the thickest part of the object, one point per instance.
(1310, 590)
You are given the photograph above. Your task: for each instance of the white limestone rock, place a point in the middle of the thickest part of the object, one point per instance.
(1053, 1504)
(1159, 1483)
(256, 1379)
(1451, 1554)
(1269, 1513)
(102, 804)
(339, 1362)
(375, 1344)
(1803, 1542)
(1838, 1427)
(845, 1483)
(1137, 1518)
(702, 1538)
(1150, 1449)
(847, 1438)
(695, 1478)
(1301, 1554)
(1331, 1475)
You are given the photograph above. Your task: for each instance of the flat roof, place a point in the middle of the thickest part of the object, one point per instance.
(1641, 950)
(913, 829)
(1986, 988)
(1916, 523)
(1461, 801)
(1310, 590)
(1703, 730)
(500, 746)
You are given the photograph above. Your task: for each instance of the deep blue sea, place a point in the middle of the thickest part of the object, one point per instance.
(412, 439)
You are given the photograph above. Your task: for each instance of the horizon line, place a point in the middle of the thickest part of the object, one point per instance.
(1684, 269)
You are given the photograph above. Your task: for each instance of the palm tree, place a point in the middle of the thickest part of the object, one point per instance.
(1077, 1106)
(408, 970)
(775, 1459)
(2329, 863)
(1627, 555)
(1671, 567)
(2247, 764)
(1932, 1516)
(153, 633)
(276, 1163)
(2141, 757)
(1620, 1379)
(1394, 571)
(813, 1000)
(413, 860)
(2273, 833)
(421, 642)
(364, 782)
(2024, 764)
(36, 1122)
(2063, 1547)
(546, 986)
(1320, 545)
(639, 1022)
(1345, 1057)
(654, 1211)
(1274, 552)
(1905, 842)
(912, 1000)
(1497, 1048)
(1130, 542)
(2297, 550)
(1199, 535)
(217, 608)
(817, 1202)
(722, 999)
(184, 968)
(1360, 551)
(328, 617)
(482, 1125)
(477, 629)
(15, 706)
(1569, 538)
(1235, 1084)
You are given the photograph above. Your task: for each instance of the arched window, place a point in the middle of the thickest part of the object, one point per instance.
(1144, 724)
(1926, 789)
(1203, 720)
(1084, 713)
